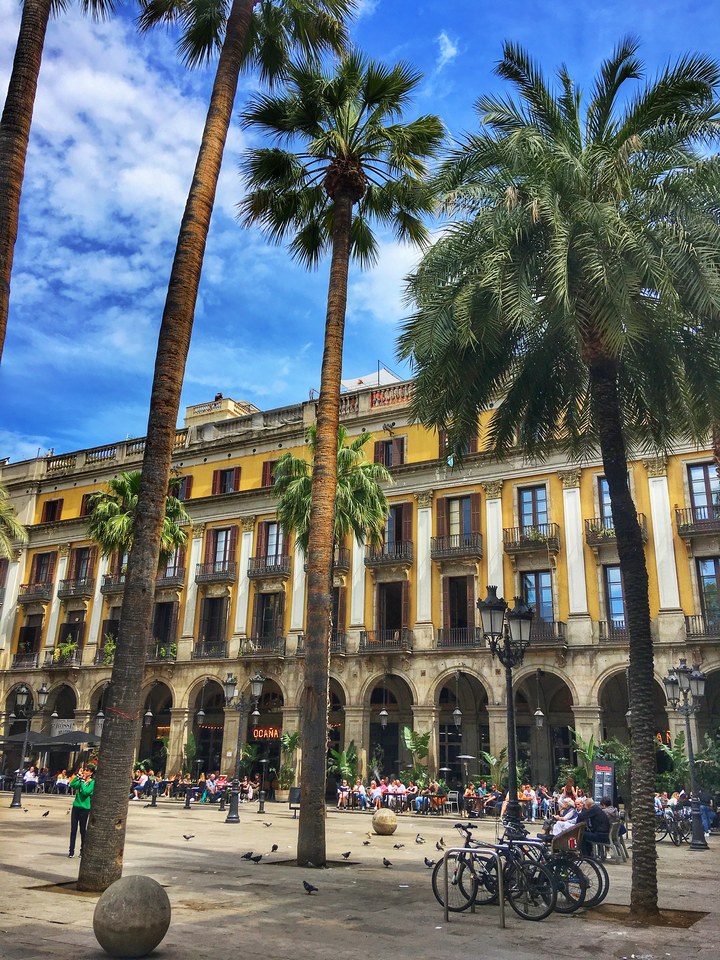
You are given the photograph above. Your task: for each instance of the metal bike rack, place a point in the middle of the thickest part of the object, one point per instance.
(471, 851)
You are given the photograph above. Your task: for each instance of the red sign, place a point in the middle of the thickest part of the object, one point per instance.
(266, 733)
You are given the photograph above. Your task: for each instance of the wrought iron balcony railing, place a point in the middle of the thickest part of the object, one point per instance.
(262, 647)
(210, 650)
(548, 632)
(83, 588)
(161, 651)
(171, 577)
(702, 627)
(696, 521)
(217, 571)
(399, 551)
(112, 583)
(613, 631)
(377, 641)
(338, 644)
(275, 566)
(600, 531)
(457, 546)
(35, 593)
(25, 661)
(541, 537)
(56, 660)
(459, 637)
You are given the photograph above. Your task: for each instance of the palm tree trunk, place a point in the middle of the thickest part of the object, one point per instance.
(316, 678)
(14, 137)
(607, 414)
(101, 864)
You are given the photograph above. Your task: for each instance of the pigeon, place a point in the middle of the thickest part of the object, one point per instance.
(188, 836)
(439, 846)
(147, 805)
(47, 813)
(273, 848)
(386, 862)
(256, 859)
(366, 843)
(398, 846)
(247, 856)
(429, 863)
(419, 839)
(25, 809)
(309, 888)
(266, 824)
(442, 841)
(346, 855)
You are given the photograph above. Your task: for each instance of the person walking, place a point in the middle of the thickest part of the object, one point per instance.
(84, 784)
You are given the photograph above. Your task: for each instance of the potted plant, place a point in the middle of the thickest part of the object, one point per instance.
(66, 650)
(289, 742)
(108, 649)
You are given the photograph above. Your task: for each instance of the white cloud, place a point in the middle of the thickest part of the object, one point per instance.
(379, 292)
(448, 51)
(366, 8)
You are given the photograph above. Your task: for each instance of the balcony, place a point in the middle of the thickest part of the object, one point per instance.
(461, 546)
(542, 538)
(275, 566)
(548, 633)
(35, 593)
(262, 648)
(171, 577)
(600, 531)
(697, 521)
(613, 631)
(103, 658)
(55, 660)
(380, 641)
(112, 583)
(219, 571)
(338, 644)
(341, 560)
(82, 588)
(702, 627)
(162, 651)
(210, 650)
(390, 554)
(25, 661)
(459, 637)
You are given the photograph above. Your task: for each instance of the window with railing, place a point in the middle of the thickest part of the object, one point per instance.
(532, 506)
(708, 569)
(537, 593)
(704, 486)
(614, 597)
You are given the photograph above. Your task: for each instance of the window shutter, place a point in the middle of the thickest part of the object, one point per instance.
(51, 568)
(73, 564)
(474, 513)
(471, 600)
(236, 479)
(186, 489)
(267, 473)
(379, 451)
(279, 625)
(181, 558)
(85, 504)
(33, 569)
(442, 445)
(217, 480)
(473, 446)
(255, 630)
(223, 619)
(442, 517)
(380, 603)
(407, 522)
(262, 540)
(285, 543)
(405, 604)
(4, 563)
(398, 451)
(446, 602)
(92, 560)
(210, 546)
(204, 609)
(232, 549)
(156, 622)
(341, 610)
(172, 632)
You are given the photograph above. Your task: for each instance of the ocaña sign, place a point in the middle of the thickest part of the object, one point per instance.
(266, 733)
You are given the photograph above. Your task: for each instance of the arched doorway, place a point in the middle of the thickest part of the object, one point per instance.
(62, 704)
(463, 728)
(390, 695)
(614, 706)
(155, 731)
(265, 736)
(708, 718)
(543, 748)
(204, 750)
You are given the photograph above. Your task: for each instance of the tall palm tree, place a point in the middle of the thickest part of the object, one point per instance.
(11, 530)
(574, 290)
(112, 517)
(246, 33)
(15, 125)
(361, 506)
(355, 154)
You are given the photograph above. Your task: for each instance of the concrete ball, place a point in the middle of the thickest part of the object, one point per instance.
(131, 917)
(384, 822)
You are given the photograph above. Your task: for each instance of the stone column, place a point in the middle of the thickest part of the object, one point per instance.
(243, 587)
(355, 726)
(84, 720)
(63, 555)
(179, 725)
(497, 716)
(93, 635)
(423, 564)
(297, 610)
(230, 735)
(424, 719)
(587, 720)
(493, 543)
(185, 643)
(16, 565)
(357, 596)
(671, 620)
(580, 624)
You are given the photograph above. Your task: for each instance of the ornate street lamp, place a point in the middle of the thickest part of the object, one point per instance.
(539, 715)
(685, 688)
(21, 698)
(457, 712)
(383, 713)
(240, 704)
(508, 635)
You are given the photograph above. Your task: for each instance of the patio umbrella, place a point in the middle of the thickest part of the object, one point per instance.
(73, 739)
(34, 739)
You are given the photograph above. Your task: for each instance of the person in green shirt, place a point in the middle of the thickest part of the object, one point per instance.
(84, 784)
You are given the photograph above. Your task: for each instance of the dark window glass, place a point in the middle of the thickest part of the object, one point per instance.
(537, 593)
(533, 506)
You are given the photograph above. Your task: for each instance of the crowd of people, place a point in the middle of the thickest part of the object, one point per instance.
(392, 793)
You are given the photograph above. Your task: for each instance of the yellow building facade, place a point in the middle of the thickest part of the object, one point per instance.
(406, 636)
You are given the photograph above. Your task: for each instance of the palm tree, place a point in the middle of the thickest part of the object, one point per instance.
(361, 506)
(574, 291)
(11, 530)
(15, 125)
(112, 517)
(355, 153)
(246, 33)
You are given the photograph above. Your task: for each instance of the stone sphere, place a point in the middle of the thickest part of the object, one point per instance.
(131, 917)
(384, 822)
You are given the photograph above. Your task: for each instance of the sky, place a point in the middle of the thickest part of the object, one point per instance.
(115, 133)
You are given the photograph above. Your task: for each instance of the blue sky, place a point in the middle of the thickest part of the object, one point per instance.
(115, 134)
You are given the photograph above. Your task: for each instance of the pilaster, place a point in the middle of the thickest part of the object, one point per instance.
(494, 534)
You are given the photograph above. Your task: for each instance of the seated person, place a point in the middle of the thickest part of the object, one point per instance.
(211, 789)
(493, 801)
(359, 794)
(245, 790)
(343, 794)
(597, 825)
(566, 818)
(61, 782)
(376, 797)
(139, 784)
(613, 815)
(411, 792)
(30, 779)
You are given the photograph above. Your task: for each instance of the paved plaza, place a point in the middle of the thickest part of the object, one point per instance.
(224, 906)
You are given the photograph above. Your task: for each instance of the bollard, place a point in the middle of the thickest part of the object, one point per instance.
(153, 798)
(187, 799)
(222, 802)
(261, 807)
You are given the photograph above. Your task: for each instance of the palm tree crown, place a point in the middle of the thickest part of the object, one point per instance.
(112, 515)
(11, 530)
(361, 506)
(346, 124)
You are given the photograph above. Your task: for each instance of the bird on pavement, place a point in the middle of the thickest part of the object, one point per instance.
(386, 862)
(419, 839)
(266, 824)
(346, 855)
(398, 846)
(366, 843)
(442, 841)
(188, 836)
(273, 848)
(247, 856)
(429, 863)
(309, 888)
(256, 859)
(439, 846)
(47, 813)
(147, 805)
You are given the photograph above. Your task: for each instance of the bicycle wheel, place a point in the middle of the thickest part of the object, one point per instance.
(462, 882)
(685, 826)
(675, 834)
(661, 829)
(597, 879)
(530, 890)
(571, 884)
(485, 872)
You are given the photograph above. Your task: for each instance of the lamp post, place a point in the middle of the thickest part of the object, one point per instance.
(240, 704)
(261, 805)
(508, 634)
(684, 688)
(21, 698)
